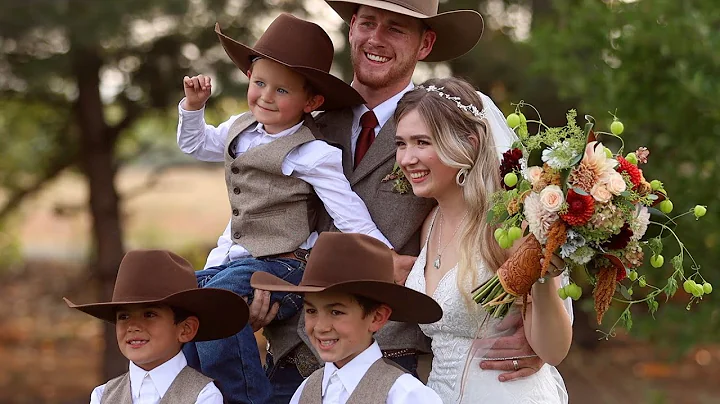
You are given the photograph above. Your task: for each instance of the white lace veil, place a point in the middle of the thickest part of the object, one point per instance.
(502, 134)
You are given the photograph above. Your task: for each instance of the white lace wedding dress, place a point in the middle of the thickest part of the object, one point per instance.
(452, 338)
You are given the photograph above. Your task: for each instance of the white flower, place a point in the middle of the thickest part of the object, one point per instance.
(533, 174)
(600, 192)
(538, 218)
(560, 155)
(552, 198)
(640, 222)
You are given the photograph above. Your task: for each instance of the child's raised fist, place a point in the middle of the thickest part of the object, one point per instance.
(197, 91)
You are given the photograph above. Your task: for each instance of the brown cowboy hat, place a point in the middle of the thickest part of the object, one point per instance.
(158, 276)
(457, 31)
(303, 47)
(359, 265)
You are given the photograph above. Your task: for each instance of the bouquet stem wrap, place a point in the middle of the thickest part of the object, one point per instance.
(522, 269)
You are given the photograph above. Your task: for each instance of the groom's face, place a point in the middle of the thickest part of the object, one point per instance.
(385, 46)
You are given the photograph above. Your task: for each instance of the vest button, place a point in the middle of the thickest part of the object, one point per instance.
(235, 170)
(236, 191)
(236, 234)
(236, 212)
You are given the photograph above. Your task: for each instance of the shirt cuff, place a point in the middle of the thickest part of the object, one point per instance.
(378, 235)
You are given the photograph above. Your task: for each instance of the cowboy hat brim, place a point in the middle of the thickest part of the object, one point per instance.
(457, 31)
(407, 305)
(337, 93)
(221, 313)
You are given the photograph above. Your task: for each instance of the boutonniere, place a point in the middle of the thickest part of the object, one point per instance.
(401, 184)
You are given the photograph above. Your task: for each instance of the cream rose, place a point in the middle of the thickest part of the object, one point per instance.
(552, 198)
(534, 174)
(600, 192)
(615, 183)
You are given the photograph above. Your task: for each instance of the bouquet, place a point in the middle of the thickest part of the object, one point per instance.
(574, 193)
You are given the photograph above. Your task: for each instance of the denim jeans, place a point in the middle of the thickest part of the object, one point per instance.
(234, 362)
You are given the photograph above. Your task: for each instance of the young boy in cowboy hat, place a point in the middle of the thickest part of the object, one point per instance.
(349, 296)
(156, 308)
(278, 174)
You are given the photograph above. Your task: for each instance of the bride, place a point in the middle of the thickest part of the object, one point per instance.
(446, 152)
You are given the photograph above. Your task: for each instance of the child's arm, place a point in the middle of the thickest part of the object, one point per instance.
(547, 323)
(195, 137)
(320, 165)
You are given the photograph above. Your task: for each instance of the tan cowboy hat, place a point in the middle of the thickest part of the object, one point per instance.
(457, 31)
(359, 265)
(158, 276)
(303, 47)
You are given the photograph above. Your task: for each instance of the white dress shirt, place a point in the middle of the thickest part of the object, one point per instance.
(339, 384)
(316, 162)
(383, 113)
(150, 387)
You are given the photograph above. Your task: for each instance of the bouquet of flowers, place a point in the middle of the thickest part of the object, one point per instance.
(576, 194)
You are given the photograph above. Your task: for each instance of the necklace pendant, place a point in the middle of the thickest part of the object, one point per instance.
(436, 263)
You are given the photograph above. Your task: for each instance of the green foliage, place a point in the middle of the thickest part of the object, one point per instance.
(655, 64)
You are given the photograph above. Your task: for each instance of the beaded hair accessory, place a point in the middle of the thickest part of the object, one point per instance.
(467, 108)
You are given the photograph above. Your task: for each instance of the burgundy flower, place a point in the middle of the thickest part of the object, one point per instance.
(620, 240)
(510, 163)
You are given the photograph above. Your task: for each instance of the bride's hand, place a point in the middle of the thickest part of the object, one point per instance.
(513, 353)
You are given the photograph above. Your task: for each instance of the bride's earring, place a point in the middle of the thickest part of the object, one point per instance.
(461, 177)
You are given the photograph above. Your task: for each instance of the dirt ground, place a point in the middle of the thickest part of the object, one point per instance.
(50, 354)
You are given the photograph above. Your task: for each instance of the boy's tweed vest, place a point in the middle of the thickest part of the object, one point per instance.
(185, 389)
(373, 388)
(272, 213)
(398, 216)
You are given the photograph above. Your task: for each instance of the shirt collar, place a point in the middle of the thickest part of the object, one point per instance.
(385, 110)
(162, 376)
(351, 374)
(260, 128)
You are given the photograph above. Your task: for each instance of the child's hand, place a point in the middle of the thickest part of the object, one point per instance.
(197, 91)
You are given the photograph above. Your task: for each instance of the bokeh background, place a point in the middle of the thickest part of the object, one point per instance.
(89, 167)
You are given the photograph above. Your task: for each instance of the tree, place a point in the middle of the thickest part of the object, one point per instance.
(654, 64)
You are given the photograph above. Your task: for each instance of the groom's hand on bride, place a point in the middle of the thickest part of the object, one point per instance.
(515, 357)
(402, 264)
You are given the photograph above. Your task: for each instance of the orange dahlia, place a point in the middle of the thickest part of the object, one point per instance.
(631, 170)
(580, 208)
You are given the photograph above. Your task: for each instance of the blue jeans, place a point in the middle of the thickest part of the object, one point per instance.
(234, 362)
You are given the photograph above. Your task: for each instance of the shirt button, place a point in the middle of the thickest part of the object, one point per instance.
(236, 234)
(235, 212)
(235, 170)
(236, 191)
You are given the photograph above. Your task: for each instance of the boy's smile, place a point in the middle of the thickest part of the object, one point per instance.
(337, 326)
(147, 334)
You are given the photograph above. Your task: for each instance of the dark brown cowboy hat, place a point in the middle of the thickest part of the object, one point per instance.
(303, 47)
(457, 31)
(158, 276)
(360, 265)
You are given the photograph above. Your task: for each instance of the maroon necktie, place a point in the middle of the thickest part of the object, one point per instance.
(368, 122)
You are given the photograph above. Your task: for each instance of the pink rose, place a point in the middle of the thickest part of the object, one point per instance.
(600, 192)
(614, 183)
(552, 198)
(533, 174)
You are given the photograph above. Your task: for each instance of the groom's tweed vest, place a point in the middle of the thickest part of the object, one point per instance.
(185, 389)
(272, 213)
(398, 216)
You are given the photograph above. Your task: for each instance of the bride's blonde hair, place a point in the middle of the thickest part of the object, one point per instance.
(451, 129)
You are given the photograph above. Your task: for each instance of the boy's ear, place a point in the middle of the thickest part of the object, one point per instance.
(314, 103)
(249, 73)
(188, 329)
(380, 317)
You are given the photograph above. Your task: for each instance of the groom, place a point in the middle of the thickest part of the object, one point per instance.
(387, 39)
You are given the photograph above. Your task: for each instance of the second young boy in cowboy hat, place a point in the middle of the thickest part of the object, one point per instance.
(156, 308)
(349, 296)
(278, 175)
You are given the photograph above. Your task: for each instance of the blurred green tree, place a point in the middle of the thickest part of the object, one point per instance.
(655, 63)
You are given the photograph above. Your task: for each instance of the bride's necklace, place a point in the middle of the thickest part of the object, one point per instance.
(440, 251)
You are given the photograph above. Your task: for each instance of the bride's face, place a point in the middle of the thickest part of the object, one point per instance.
(418, 158)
